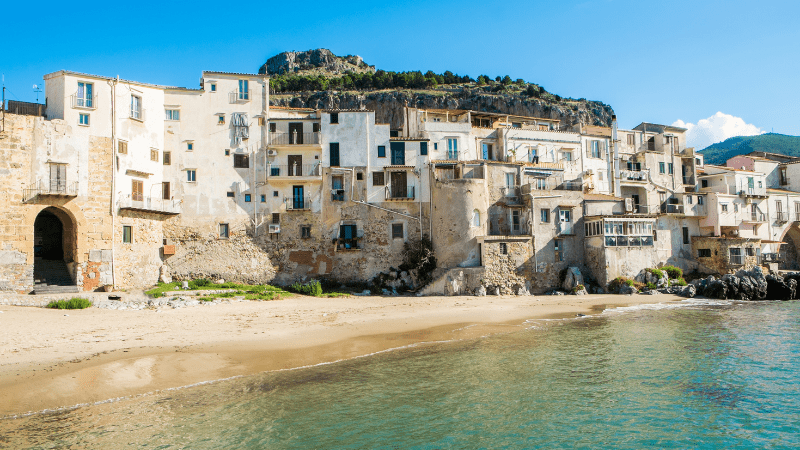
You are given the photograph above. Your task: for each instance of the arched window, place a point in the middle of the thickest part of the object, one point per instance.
(476, 218)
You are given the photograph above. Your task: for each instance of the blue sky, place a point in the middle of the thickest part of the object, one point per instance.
(651, 61)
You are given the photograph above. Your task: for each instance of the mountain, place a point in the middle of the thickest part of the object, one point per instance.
(740, 145)
(321, 80)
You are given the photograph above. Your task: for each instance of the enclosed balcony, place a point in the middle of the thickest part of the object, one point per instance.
(156, 205)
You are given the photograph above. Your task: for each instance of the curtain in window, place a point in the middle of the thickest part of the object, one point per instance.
(241, 128)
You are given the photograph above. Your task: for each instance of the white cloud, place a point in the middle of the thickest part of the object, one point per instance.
(715, 129)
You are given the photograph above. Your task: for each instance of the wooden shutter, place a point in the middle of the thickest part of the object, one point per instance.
(137, 189)
(165, 191)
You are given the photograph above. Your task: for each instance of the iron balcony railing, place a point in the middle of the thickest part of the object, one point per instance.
(237, 96)
(781, 217)
(297, 203)
(337, 195)
(633, 175)
(745, 190)
(138, 202)
(511, 194)
(688, 180)
(770, 258)
(757, 217)
(83, 102)
(51, 187)
(400, 192)
(294, 170)
(348, 244)
(508, 229)
(672, 208)
(294, 138)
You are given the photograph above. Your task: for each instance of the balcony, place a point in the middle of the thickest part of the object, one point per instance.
(781, 217)
(511, 195)
(633, 175)
(237, 96)
(770, 258)
(672, 209)
(337, 195)
(294, 170)
(55, 188)
(400, 192)
(689, 181)
(297, 203)
(343, 244)
(157, 205)
(564, 228)
(294, 138)
(83, 103)
(755, 217)
(500, 226)
(747, 191)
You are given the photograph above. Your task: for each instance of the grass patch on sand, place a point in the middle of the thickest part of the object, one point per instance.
(73, 303)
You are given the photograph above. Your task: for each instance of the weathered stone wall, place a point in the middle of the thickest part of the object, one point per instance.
(719, 261)
(138, 262)
(506, 272)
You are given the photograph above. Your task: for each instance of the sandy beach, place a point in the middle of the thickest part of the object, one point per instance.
(57, 358)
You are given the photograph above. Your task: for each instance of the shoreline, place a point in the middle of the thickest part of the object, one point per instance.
(54, 359)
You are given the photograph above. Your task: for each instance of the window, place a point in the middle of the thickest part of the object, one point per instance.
(127, 234)
(436, 146)
(397, 231)
(191, 175)
(244, 90)
(231, 194)
(276, 218)
(736, 256)
(704, 253)
(165, 190)
(274, 193)
(515, 221)
(671, 168)
(137, 190)
(724, 207)
(423, 148)
(334, 154)
(223, 231)
(167, 158)
(83, 119)
(700, 199)
(503, 248)
(122, 147)
(377, 179)
(476, 218)
(381, 151)
(559, 251)
(84, 97)
(360, 176)
(189, 146)
(736, 207)
(334, 117)
(784, 180)
(398, 151)
(173, 114)
(595, 149)
(685, 235)
(566, 156)
(315, 127)
(136, 107)
(241, 161)
(221, 119)
(452, 148)
(263, 198)
(630, 139)
(153, 154)
(213, 87)
(273, 127)
(661, 167)
(750, 251)
(248, 198)
(689, 199)
(305, 232)
(704, 183)
(487, 151)
(227, 152)
(544, 215)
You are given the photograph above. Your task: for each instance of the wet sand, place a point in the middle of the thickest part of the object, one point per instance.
(57, 358)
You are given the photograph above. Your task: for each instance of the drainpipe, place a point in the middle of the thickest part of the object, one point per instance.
(113, 180)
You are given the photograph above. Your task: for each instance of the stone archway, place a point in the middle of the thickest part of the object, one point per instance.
(790, 251)
(54, 247)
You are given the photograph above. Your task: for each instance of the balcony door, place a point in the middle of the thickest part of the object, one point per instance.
(298, 198)
(398, 182)
(398, 153)
(58, 178)
(296, 133)
(295, 165)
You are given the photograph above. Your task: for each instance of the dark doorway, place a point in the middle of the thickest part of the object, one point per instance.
(295, 165)
(399, 186)
(296, 133)
(298, 198)
(50, 236)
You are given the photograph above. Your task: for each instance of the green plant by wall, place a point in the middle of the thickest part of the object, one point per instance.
(312, 288)
(73, 303)
(673, 272)
(579, 287)
(418, 257)
(679, 282)
(651, 286)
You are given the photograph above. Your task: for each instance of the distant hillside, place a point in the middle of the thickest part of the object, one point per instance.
(319, 79)
(770, 142)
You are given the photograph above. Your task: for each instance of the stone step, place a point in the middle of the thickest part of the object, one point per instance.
(39, 290)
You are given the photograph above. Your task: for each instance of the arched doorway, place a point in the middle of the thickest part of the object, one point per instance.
(789, 252)
(53, 248)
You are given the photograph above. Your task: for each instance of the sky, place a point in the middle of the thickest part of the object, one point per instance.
(718, 68)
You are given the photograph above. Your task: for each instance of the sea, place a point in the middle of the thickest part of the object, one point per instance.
(687, 375)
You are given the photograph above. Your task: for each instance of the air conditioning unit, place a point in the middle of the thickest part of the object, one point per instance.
(274, 228)
(272, 153)
(628, 205)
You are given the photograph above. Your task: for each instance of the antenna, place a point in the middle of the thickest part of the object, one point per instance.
(37, 89)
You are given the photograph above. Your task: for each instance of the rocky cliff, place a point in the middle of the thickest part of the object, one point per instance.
(320, 60)
(388, 105)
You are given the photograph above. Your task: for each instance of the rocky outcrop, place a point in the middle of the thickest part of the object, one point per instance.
(749, 285)
(321, 59)
(389, 105)
(572, 279)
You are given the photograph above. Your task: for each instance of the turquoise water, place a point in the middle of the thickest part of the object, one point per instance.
(701, 376)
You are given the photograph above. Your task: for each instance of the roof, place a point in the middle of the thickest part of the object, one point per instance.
(214, 72)
(643, 125)
(404, 139)
(733, 169)
(346, 110)
(289, 108)
(101, 77)
(485, 113)
(601, 197)
(782, 191)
